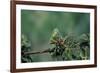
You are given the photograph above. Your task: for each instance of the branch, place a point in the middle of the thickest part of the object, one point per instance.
(36, 52)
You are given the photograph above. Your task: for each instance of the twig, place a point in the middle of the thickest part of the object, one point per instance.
(36, 52)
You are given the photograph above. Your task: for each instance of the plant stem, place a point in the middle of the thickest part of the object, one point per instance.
(36, 52)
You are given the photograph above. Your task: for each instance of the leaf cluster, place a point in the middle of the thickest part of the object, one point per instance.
(25, 47)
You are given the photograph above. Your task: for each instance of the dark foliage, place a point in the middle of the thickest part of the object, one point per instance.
(67, 48)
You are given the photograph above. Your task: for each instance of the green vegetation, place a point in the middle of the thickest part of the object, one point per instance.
(67, 48)
(54, 36)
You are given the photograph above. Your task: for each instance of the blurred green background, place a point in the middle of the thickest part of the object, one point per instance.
(38, 26)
